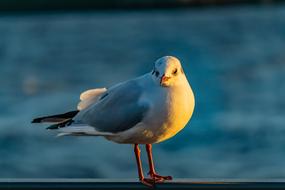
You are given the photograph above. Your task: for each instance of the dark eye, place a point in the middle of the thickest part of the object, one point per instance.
(174, 72)
(156, 73)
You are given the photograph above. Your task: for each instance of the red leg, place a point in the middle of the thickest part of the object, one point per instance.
(139, 165)
(152, 173)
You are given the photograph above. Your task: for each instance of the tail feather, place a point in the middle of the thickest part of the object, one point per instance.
(81, 130)
(65, 125)
(56, 118)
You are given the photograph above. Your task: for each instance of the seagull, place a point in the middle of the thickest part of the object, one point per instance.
(142, 111)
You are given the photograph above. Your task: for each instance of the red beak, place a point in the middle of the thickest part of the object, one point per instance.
(164, 79)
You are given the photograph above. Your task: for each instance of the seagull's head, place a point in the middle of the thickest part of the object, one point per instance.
(167, 71)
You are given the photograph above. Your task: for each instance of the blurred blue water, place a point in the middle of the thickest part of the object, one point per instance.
(234, 60)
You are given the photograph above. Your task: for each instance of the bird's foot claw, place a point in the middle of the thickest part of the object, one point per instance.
(158, 178)
(148, 182)
(154, 178)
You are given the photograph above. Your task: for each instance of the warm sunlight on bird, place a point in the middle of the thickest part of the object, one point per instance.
(145, 110)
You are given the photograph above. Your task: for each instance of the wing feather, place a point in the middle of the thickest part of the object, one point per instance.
(89, 97)
(118, 111)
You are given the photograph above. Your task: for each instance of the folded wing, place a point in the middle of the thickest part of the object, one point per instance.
(117, 110)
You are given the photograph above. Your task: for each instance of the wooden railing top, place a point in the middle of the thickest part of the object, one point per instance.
(134, 184)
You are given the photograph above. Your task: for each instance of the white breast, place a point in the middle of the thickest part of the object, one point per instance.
(169, 112)
(178, 110)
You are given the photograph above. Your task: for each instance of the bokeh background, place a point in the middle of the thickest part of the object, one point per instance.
(233, 56)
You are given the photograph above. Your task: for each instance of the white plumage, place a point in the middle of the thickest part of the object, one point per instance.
(143, 110)
(89, 97)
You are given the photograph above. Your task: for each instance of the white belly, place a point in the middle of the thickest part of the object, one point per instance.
(160, 125)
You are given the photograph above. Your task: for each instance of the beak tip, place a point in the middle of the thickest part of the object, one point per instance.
(164, 79)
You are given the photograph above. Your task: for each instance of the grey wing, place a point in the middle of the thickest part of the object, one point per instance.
(117, 110)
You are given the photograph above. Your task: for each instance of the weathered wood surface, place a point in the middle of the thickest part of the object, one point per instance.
(134, 184)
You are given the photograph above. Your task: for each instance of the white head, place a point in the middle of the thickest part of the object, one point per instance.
(168, 71)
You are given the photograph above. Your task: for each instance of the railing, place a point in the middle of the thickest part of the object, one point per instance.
(134, 184)
(73, 5)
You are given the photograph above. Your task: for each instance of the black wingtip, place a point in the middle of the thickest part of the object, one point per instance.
(56, 118)
(36, 120)
(60, 125)
(53, 127)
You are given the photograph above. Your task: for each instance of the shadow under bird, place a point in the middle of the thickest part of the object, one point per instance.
(145, 110)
